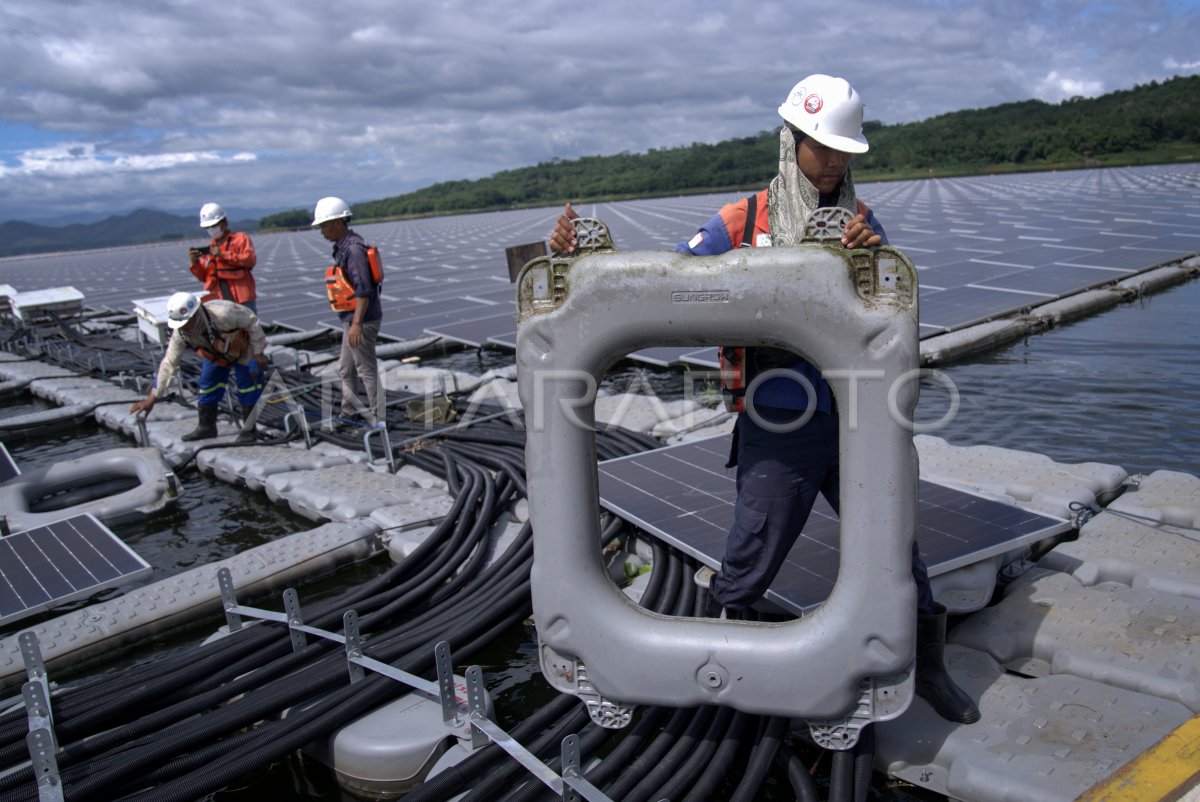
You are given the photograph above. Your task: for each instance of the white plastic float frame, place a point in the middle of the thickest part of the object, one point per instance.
(851, 312)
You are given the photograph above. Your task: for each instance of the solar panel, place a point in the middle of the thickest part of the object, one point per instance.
(704, 358)
(959, 232)
(961, 273)
(1032, 256)
(685, 496)
(475, 333)
(50, 565)
(1055, 280)
(662, 356)
(1131, 259)
(960, 306)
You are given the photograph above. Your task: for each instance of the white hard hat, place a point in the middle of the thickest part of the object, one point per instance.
(330, 209)
(210, 215)
(827, 109)
(180, 308)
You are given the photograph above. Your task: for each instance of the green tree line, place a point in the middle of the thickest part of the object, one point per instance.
(1151, 123)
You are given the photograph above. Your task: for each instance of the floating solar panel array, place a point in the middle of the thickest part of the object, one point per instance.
(985, 246)
(50, 565)
(685, 496)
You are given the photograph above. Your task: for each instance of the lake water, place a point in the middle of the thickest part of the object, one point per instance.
(1122, 387)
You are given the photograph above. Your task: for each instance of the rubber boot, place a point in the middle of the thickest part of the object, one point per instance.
(934, 683)
(206, 428)
(249, 432)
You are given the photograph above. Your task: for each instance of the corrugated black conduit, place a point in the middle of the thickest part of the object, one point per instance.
(772, 731)
(250, 750)
(192, 787)
(864, 759)
(495, 783)
(719, 767)
(104, 708)
(275, 739)
(478, 532)
(798, 775)
(841, 776)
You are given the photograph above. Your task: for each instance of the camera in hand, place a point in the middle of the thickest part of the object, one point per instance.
(201, 250)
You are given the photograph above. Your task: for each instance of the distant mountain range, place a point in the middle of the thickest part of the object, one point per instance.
(140, 227)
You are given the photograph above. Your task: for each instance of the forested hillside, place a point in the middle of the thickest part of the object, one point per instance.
(1142, 120)
(1153, 123)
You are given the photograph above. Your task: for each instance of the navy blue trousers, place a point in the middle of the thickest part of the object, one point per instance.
(779, 475)
(214, 380)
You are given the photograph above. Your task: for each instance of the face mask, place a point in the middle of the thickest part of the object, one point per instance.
(214, 231)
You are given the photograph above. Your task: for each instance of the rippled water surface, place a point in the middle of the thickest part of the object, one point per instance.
(1122, 388)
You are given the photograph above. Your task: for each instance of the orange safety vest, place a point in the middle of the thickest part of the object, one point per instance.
(338, 288)
(733, 361)
(227, 275)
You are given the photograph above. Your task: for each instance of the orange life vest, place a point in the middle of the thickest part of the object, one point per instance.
(338, 288)
(227, 347)
(733, 361)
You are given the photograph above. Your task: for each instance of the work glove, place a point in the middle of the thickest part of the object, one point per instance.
(258, 368)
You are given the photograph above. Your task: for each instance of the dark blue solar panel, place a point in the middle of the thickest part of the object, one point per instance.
(1055, 280)
(962, 273)
(476, 333)
(958, 231)
(960, 306)
(1130, 259)
(684, 495)
(71, 559)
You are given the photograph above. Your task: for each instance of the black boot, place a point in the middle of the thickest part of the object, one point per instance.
(934, 683)
(249, 432)
(206, 428)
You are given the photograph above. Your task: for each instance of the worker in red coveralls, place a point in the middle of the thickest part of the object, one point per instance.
(224, 266)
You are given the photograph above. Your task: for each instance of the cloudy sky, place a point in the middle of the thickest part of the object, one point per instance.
(109, 106)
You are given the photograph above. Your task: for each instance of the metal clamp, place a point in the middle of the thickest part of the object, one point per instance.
(301, 423)
(229, 599)
(386, 443)
(45, 766)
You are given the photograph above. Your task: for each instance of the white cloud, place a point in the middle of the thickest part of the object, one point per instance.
(1175, 66)
(1055, 88)
(391, 95)
(76, 159)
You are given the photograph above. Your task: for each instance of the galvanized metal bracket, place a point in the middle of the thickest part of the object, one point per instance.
(445, 674)
(45, 765)
(37, 709)
(575, 787)
(229, 599)
(477, 704)
(354, 650)
(31, 654)
(295, 619)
